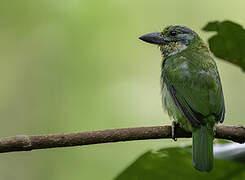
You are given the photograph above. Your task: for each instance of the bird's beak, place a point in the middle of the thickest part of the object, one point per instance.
(154, 38)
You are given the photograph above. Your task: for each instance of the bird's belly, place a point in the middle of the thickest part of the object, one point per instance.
(173, 111)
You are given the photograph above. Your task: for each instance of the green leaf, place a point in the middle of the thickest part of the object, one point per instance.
(229, 42)
(176, 163)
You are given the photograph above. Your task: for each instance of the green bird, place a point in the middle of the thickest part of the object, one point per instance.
(191, 88)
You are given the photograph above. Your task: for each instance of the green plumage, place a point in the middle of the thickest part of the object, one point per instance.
(191, 88)
(202, 142)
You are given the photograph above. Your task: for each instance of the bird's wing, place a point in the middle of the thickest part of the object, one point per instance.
(196, 91)
(185, 108)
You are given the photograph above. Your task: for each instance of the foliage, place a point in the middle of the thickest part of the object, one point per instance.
(228, 43)
(175, 163)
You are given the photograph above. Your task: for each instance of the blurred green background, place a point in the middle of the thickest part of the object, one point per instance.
(78, 65)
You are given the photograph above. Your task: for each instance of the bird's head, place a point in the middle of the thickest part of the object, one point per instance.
(172, 39)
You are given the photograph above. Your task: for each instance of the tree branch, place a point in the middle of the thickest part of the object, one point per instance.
(28, 143)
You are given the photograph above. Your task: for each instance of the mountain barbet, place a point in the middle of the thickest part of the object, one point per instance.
(191, 88)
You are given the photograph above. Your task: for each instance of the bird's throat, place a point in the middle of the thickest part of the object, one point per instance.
(172, 48)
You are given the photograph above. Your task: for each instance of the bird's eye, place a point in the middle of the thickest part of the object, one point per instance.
(173, 33)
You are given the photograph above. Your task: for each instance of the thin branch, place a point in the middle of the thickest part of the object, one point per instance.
(28, 143)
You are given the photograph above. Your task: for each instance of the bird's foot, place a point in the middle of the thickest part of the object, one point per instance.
(215, 129)
(174, 124)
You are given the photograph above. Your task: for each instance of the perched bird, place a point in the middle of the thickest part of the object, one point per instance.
(191, 88)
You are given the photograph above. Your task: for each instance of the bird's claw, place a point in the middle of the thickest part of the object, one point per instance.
(173, 130)
(215, 130)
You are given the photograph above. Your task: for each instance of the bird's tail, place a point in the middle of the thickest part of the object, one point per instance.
(202, 148)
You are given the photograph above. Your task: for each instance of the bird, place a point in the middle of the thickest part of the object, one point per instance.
(191, 88)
